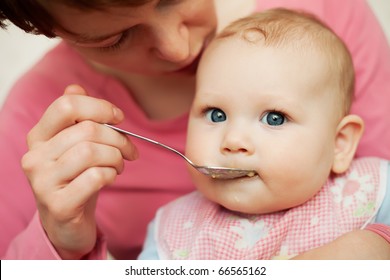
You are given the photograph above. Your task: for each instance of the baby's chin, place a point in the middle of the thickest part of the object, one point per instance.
(234, 194)
(245, 203)
(250, 203)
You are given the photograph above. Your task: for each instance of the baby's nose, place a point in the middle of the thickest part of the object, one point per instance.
(237, 142)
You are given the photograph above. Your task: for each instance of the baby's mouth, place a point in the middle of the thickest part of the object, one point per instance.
(225, 177)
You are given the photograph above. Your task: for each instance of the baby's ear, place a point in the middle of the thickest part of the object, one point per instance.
(349, 132)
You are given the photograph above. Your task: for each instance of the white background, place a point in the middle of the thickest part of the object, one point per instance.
(188, 270)
(18, 51)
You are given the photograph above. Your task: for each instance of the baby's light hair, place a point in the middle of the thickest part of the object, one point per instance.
(302, 31)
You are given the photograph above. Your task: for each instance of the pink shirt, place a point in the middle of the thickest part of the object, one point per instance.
(125, 208)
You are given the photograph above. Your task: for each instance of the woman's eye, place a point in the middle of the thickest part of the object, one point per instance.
(117, 44)
(216, 115)
(273, 119)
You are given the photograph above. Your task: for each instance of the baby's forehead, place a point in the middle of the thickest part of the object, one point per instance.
(254, 41)
(299, 34)
(253, 35)
(309, 67)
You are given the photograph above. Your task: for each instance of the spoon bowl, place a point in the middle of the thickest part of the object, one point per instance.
(212, 171)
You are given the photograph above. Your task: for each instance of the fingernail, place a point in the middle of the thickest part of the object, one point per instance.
(74, 89)
(118, 114)
(136, 154)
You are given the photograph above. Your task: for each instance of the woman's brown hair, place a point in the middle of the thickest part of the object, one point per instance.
(32, 17)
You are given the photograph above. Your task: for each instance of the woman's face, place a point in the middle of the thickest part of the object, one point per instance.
(161, 37)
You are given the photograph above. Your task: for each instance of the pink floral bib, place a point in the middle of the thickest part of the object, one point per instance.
(194, 228)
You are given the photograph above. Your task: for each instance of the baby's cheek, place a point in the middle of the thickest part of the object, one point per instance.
(198, 178)
(289, 180)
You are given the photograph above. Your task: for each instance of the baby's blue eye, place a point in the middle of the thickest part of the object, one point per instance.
(216, 115)
(273, 119)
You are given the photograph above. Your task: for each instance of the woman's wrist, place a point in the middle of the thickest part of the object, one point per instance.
(380, 229)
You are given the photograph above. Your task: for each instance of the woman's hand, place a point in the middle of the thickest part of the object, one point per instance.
(354, 245)
(71, 157)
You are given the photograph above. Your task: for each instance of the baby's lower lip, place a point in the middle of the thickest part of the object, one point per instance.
(244, 178)
(249, 177)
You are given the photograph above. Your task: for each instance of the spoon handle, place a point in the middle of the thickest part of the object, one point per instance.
(148, 140)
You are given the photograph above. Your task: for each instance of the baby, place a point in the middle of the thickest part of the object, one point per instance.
(273, 95)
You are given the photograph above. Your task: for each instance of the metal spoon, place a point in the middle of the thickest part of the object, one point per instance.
(214, 172)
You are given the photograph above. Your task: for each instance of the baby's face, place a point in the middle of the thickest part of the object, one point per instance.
(268, 109)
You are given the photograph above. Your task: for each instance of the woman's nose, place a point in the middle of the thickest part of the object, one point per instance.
(172, 42)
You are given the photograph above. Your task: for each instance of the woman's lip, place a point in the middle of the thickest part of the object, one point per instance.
(191, 68)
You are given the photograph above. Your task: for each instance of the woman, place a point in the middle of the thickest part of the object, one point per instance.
(139, 56)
